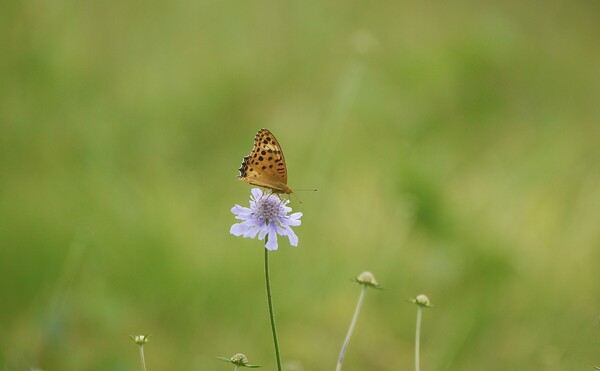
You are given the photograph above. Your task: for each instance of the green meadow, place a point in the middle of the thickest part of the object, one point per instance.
(455, 147)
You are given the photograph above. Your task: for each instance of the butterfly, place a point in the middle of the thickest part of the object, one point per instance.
(265, 165)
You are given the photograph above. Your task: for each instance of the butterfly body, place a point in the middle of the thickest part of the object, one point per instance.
(265, 165)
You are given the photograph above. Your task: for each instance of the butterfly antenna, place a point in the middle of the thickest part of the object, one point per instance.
(295, 195)
(302, 190)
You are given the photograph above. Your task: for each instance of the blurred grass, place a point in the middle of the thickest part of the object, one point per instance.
(454, 146)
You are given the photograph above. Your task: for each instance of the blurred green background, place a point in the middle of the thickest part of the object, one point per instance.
(455, 147)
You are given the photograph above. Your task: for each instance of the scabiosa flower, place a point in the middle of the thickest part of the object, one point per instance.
(267, 215)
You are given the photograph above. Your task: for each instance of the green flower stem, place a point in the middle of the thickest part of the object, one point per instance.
(142, 358)
(418, 336)
(351, 329)
(271, 315)
(236, 368)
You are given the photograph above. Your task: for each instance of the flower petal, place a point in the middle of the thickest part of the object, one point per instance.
(263, 233)
(252, 232)
(290, 221)
(295, 216)
(256, 193)
(285, 209)
(238, 229)
(272, 241)
(241, 213)
(237, 209)
(292, 236)
(254, 221)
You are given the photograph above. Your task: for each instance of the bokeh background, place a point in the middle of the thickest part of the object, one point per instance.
(454, 145)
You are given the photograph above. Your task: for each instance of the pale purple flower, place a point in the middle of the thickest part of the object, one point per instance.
(267, 215)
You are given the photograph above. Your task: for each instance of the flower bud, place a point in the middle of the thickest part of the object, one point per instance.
(238, 359)
(140, 339)
(422, 301)
(367, 279)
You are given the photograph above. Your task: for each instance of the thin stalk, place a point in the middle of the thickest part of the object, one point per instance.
(351, 329)
(142, 358)
(418, 337)
(236, 368)
(271, 314)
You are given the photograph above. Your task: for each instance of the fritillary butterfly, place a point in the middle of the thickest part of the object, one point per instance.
(265, 165)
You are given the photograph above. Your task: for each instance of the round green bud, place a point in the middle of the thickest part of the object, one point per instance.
(422, 300)
(367, 278)
(239, 359)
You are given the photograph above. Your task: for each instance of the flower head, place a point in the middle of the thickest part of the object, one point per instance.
(238, 359)
(422, 301)
(140, 339)
(367, 279)
(267, 216)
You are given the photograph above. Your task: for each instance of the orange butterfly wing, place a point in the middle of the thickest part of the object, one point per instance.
(265, 165)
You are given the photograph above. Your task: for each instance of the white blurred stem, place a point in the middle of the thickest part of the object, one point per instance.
(418, 337)
(142, 359)
(351, 329)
